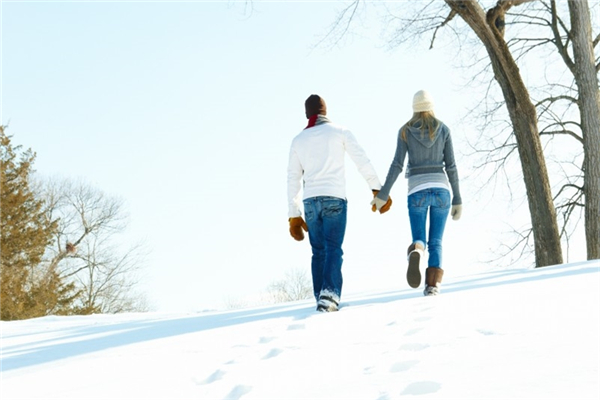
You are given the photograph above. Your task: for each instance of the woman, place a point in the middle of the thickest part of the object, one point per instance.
(429, 146)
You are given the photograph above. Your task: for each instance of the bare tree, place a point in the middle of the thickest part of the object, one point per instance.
(585, 70)
(85, 249)
(564, 103)
(295, 286)
(489, 28)
(554, 108)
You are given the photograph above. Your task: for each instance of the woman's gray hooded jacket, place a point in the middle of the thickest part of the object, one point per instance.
(425, 156)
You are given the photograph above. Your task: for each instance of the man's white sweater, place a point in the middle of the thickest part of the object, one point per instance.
(317, 158)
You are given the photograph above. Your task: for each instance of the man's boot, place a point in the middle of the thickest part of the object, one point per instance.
(413, 274)
(433, 281)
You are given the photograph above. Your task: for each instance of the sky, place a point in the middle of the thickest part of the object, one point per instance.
(511, 334)
(186, 111)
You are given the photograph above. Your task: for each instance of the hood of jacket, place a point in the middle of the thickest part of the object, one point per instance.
(422, 136)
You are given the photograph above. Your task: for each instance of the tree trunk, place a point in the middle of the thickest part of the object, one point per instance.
(523, 116)
(589, 110)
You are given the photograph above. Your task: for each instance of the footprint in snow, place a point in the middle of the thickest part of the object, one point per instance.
(273, 353)
(295, 327)
(414, 346)
(215, 376)
(237, 392)
(384, 396)
(403, 366)
(265, 339)
(421, 388)
(411, 332)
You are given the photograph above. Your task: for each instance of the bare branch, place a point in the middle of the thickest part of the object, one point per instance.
(562, 47)
(554, 99)
(448, 19)
(343, 20)
(563, 132)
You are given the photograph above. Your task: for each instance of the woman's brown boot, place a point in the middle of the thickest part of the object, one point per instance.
(433, 281)
(413, 273)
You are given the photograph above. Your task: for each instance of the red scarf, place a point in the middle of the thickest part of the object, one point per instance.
(311, 121)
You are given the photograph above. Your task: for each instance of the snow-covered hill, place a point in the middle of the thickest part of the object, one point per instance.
(515, 334)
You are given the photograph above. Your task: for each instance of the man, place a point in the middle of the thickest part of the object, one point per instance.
(317, 158)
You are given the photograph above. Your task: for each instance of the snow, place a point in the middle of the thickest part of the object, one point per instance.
(510, 334)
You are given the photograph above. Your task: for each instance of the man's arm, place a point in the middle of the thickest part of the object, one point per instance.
(294, 186)
(359, 157)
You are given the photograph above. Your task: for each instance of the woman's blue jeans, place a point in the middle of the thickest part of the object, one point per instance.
(326, 220)
(437, 202)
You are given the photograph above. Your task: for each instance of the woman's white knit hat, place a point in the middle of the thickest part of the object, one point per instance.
(422, 101)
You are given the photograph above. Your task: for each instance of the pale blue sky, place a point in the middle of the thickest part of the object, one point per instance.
(187, 110)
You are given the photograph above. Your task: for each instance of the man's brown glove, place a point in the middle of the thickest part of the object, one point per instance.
(296, 226)
(378, 204)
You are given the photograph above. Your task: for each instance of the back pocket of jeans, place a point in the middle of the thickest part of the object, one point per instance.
(332, 208)
(442, 199)
(417, 199)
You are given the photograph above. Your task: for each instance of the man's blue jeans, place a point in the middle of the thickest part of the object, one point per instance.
(437, 202)
(326, 220)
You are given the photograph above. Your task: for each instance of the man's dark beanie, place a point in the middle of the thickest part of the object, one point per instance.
(315, 105)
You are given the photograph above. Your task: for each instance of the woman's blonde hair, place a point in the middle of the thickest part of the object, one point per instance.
(427, 120)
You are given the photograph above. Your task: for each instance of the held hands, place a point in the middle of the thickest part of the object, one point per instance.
(377, 204)
(381, 205)
(296, 226)
(456, 211)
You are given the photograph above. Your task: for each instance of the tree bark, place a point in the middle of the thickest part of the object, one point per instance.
(589, 109)
(489, 28)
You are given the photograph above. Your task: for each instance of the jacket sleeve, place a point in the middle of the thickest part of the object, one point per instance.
(359, 157)
(395, 168)
(451, 170)
(294, 185)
